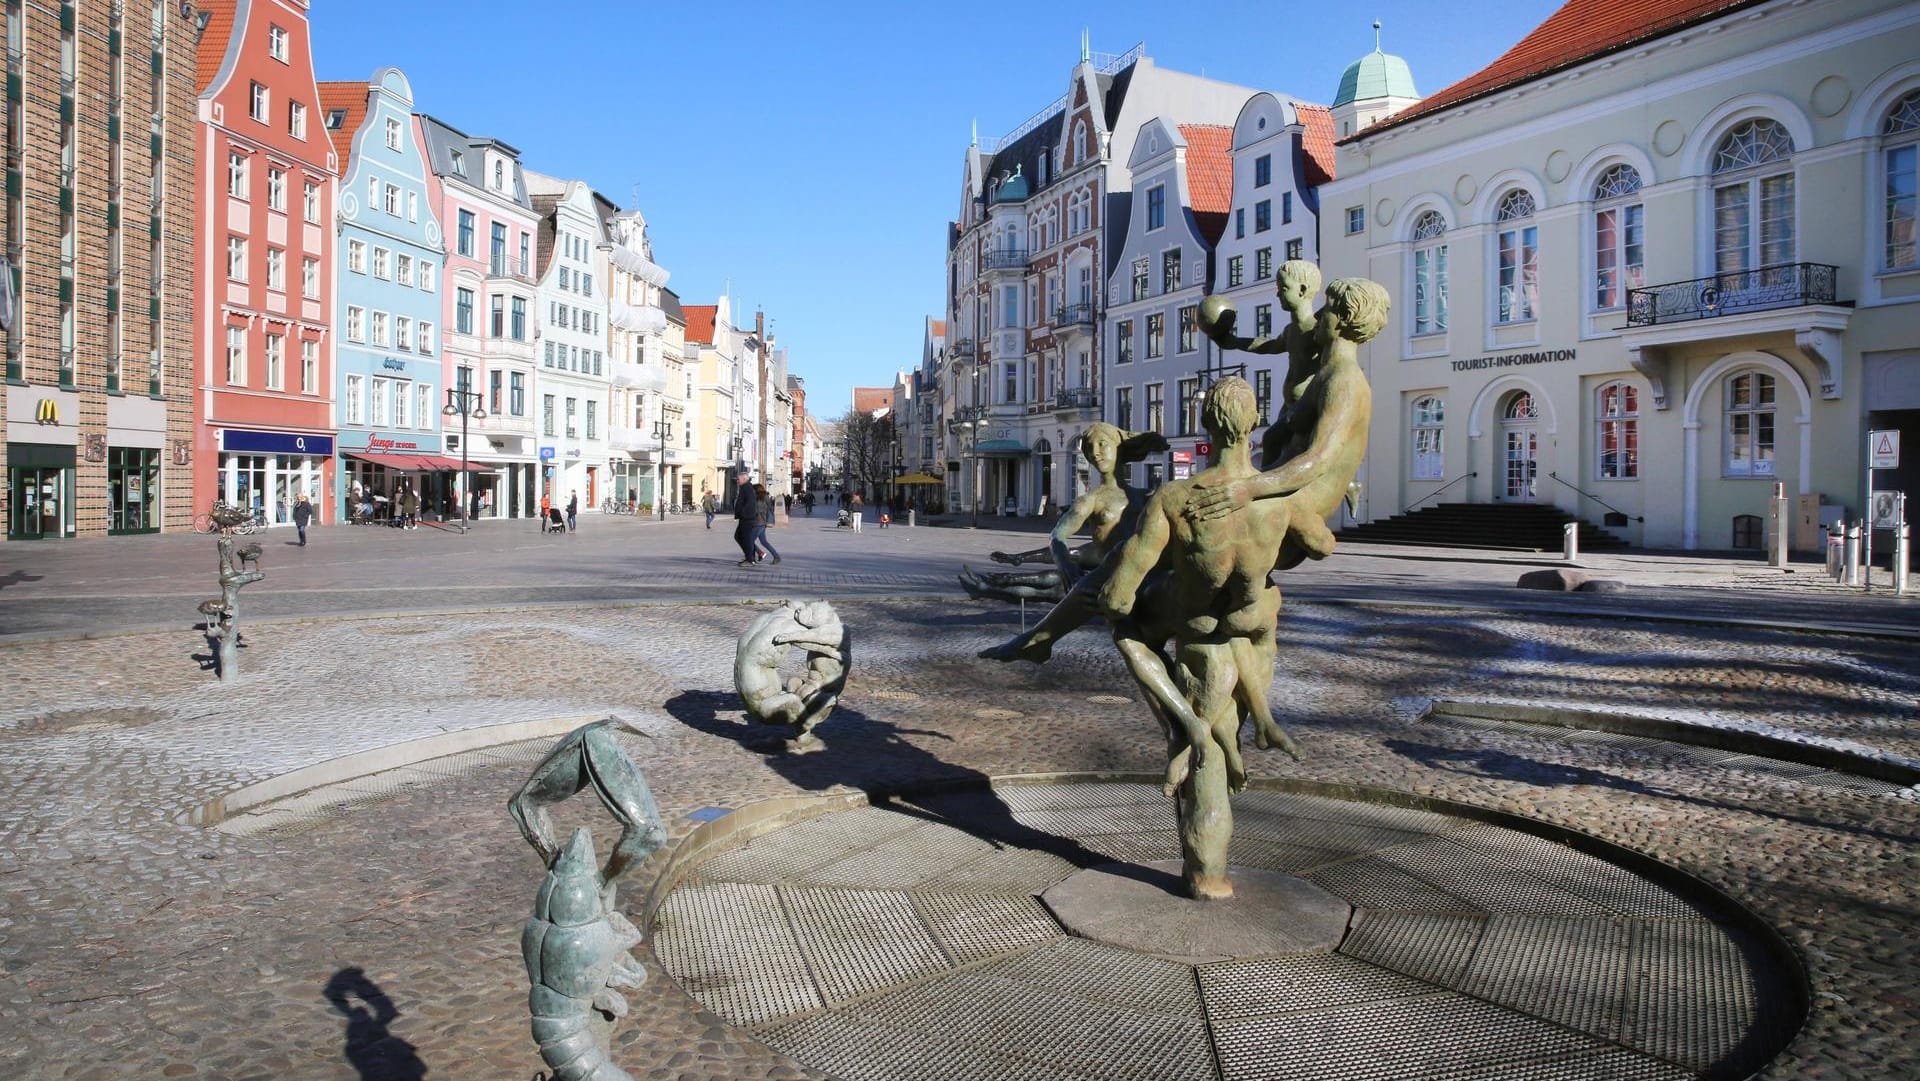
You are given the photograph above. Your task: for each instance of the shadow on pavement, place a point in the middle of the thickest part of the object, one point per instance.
(877, 758)
(371, 1048)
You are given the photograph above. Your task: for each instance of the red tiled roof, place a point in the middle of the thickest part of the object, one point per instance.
(700, 319)
(1317, 141)
(348, 96)
(1580, 31)
(870, 399)
(939, 327)
(1209, 167)
(212, 48)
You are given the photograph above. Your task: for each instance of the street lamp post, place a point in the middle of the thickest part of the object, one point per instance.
(464, 404)
(662, 429)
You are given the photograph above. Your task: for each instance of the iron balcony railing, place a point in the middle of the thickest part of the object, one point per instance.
(1077, 398)
(962, 347)
(1007, 259)
(1073, 315)
(1785, 285)
(501, 266)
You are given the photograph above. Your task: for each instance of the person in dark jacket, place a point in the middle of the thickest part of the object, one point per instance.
(573, 512)
(765, 502)
(746, 515)
(302, 517)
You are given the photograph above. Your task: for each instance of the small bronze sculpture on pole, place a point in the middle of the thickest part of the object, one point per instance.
(238, 567)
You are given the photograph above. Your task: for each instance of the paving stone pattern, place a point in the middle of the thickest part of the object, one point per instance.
(137, 945)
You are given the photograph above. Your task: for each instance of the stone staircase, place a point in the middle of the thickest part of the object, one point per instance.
(1522, 526)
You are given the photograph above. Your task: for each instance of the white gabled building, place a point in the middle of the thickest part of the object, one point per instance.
(648, 419)
(571, 384)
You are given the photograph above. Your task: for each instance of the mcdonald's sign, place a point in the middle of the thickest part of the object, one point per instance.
(47, 412)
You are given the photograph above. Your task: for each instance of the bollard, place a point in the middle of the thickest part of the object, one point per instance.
(1570, 541)
(910, 522)
(1852, 558)
(1835, 546)
(1778, 520)
(1900, 558)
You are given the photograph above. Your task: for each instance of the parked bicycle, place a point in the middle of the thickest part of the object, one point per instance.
(615, 506)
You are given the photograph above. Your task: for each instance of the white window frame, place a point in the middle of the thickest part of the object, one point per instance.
(276, 356)
(1745, 425)
(297, 120)
(310, 277)
(356, 404)
(1428, 438)
(1616, 416)
(1516, 258)
(276, 188)
(424, 331)
(259, 101)
(382, 263)
(378, 329)
(277, 269)
(1899, 139)
(403, 333)
(239, 180)
(1619, 238)
(357, 256)
(237, 258)
(356, 323)
(423, 404)
(277, 42)
(380, 402)
(310, 203)
(236, 356)
(403, 403)
(425, 271)
(392, 199)
(309, 366)
(1428, 264)
(1749, 163)
(402, 269)
(393, 133)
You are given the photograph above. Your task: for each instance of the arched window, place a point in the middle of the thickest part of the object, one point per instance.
(1750, 412)
(1520, 409)
(1430, 273)
(1753, 198)
(1429, 417)
(1518, 258)
(1900, 141)
(1080, 151)
(1617, 443)
(1619, 236)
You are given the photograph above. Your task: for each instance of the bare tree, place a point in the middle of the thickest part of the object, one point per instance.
(866, 443)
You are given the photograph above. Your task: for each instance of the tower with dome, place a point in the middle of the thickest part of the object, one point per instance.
(1373, 88)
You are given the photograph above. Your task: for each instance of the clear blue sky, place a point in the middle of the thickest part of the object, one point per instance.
(810, 154)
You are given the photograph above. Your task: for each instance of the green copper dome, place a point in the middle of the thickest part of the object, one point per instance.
(1375, 75)
(1013, 189)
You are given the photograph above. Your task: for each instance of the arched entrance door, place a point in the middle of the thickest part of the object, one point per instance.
(1520, 443)
(1043, 462)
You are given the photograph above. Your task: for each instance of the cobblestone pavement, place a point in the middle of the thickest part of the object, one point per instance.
(118, 583)
(383, 942)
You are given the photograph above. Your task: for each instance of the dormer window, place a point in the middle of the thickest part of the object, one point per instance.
(459, 163)
(499, 174)
(335, 118)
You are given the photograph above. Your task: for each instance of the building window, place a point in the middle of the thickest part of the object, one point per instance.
(237, 176)
(517, 395)
(1295, 249)
(1753, 198)
(1170, 270)
(1263, 393)
(1240, 223)
(309, 367)
(1263, 264)
(380, 328)
(495, 379)
(260, 103)
(1263, 170)
(276, 270)
(572, 415)
(1010, 388)
(466, 233)
(1618, 440)
(236, 356)
(1263, 215)
(356, 399)
(1123, 408)
(1189, 328)
(380, 404)
(382, 264)
(403, 333)
(296, 120)
(402, 403)
(392, 192)
(1262, 320)
(1619, 237)
(277, 43)
(459, 163)
(593, 425)
(310, 278)
(546, 414)
(276, 189)
(498, 252)
(1750, 425)
(497, 318)
(1123, 342)
(357, 256)
(425, 339)
(1429, 429)
(1430, 273)
(1140, 268)
(425, 270)
(1156, 407)
(423, 393)
(1517, 243)
(517, 329)
(393, 133)
(403, 269)
(1286, 207)
(1156, 206)
(1356, 220)
(1236, 270)
(237, 258)
(310, 203)
(1189, 405)
(463, 311)
(356, 323)
(1156, 334)
(1900, 135)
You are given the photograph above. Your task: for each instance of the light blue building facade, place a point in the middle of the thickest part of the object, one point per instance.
(392, 260)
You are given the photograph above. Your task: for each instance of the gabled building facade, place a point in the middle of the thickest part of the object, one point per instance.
(1183, 175)
(389, 267)
(489, 304)
(1041, 218)
(572, 382)
(1656, 259)
(96, 275)
(267, 176)
(649, 377)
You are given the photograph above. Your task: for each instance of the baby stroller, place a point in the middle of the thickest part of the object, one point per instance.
(845, 521)
(556, 521)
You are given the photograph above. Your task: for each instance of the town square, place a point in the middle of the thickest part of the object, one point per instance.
(536, 562)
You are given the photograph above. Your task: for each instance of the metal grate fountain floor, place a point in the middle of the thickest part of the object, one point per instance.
(878, 945)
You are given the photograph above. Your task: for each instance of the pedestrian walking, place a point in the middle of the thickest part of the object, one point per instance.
(786, 501)
(710, 505)
(857, 507)
(473, 504)
(302, 516)
(546, 511)
(765, 502)
(573, 512)
(746, 517)
(410, 509)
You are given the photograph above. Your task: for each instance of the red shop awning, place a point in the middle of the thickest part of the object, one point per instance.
(410, 463)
